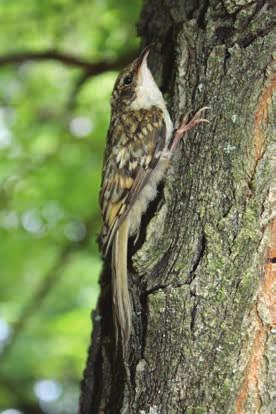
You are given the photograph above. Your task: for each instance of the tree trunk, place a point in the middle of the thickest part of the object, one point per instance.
(202, 275)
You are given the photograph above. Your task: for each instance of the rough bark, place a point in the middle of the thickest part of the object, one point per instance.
(202, 276)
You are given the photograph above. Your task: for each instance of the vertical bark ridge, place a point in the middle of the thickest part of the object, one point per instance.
(255, 386)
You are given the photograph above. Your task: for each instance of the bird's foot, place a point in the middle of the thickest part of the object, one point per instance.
(186, 126)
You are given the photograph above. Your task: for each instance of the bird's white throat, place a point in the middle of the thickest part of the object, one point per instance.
(147, 91)
(148, 94)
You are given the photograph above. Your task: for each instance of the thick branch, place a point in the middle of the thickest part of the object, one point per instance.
(202, 299)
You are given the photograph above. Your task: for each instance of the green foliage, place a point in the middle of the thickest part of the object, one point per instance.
(51, 146)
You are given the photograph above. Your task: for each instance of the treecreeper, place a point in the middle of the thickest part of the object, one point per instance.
(140, 143)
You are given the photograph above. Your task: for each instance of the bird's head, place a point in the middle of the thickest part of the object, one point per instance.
(135, 87)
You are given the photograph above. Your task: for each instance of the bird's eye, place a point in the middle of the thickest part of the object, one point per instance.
(128, 80)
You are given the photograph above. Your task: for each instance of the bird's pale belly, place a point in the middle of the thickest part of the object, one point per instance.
(147, 195)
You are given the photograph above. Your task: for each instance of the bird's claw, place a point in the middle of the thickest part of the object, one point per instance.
(186, 125)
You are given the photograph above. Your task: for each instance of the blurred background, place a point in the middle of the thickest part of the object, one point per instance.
(58, 62)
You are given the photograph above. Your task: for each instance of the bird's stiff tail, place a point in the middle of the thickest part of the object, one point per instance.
(121, 298)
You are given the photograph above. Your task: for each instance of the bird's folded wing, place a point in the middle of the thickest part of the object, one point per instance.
(122, 183)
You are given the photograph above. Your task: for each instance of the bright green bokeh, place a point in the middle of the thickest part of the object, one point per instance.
(50, 170)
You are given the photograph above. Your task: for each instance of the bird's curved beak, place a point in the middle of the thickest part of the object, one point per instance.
(143, 56)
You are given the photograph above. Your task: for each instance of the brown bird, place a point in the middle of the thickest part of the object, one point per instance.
(139, 146)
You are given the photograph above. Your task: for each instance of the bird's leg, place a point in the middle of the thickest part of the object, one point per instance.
(186, 126)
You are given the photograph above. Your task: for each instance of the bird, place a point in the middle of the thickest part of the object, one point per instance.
(140, 143)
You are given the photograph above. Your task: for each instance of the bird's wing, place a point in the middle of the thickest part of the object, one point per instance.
(129, 160)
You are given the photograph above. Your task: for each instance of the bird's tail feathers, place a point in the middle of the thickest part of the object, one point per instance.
(121, 298)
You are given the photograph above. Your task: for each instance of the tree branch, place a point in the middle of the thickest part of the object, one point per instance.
(67, 59)
(89, 68)
(85, 76)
